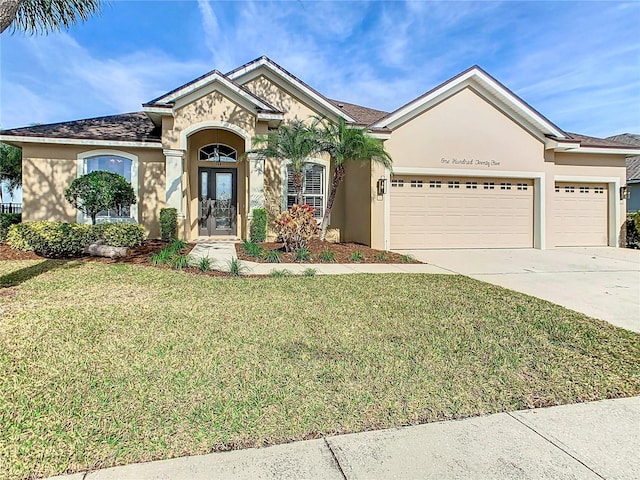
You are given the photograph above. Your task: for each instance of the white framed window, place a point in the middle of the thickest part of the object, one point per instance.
(416, 183)
(453, 184)
(113, 161)
(522, 186)
(217, 152)
(584, 189)
(397, 183)
(505, 186)
(314, 187)
(489, 185)
(472, 185)
(435, 184)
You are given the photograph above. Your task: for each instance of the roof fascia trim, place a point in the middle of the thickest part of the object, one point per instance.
(482, 81)
(79, 141)
(282, 74)
(215, 76)
(627, 152)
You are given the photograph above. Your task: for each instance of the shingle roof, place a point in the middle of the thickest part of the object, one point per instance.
(633, 163)
(586, 141)
(628, 138)
(128, 127)
(363, 115)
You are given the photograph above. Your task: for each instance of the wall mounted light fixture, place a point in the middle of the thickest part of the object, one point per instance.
(382, 186)
(624, 193)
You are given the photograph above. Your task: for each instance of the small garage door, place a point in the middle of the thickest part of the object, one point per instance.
(581, 214)
(430, 212)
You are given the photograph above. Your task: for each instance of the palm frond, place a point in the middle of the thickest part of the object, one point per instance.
(45, 16)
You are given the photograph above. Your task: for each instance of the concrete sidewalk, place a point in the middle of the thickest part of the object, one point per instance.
(221, 253)
(597, 440)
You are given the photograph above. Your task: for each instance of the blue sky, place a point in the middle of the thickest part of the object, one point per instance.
(578, 63)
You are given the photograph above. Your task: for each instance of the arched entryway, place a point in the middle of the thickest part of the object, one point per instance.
(217, 184)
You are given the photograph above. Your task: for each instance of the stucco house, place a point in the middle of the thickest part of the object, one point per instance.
(474, 165)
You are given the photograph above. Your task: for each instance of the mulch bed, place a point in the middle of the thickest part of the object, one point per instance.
(138, 256)
(342, 252)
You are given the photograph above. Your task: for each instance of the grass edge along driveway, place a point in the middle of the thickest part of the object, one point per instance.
(103, 365)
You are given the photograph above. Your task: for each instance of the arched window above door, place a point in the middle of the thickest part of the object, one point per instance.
(217, 152)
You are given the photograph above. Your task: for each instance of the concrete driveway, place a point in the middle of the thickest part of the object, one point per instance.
(600, 282)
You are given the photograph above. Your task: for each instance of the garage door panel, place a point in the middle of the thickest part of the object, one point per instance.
(581, 212)
(479, 213)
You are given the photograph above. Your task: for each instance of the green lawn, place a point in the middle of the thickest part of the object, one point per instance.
(109, 364)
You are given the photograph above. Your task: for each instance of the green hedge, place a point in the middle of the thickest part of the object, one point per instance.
(60, 239)
(121, 234)
(51, 239)
(258, 229)
(168, 224)
(6, 220)
(633, 230)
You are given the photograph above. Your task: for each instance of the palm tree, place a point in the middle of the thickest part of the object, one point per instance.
(346, 144)
(44, 16)
(295, 143)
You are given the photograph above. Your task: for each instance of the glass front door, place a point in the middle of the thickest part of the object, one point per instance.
(217, 201)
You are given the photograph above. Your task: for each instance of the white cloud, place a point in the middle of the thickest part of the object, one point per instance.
(567, 62)
(85, 85)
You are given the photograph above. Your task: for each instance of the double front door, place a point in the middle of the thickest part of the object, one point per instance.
(217, 201)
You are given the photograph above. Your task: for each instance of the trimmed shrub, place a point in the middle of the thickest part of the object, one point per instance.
(168, 224)
(17, 237)
(6, 220)
(258, 229)
(121, 234)
(296, 227)
(633, 230)
(51, 239)
(60, 239)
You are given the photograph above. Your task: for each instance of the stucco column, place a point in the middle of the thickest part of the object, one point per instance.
(173, 179)
(256, 183)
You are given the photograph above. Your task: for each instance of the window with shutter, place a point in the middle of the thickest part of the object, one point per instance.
(313, 189)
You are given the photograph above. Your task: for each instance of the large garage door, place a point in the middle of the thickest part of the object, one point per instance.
(430, 212)
(580, 214)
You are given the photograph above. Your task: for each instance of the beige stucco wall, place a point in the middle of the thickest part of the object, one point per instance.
(464, 127)
(49, 169)
(211, 108)
(358, 202)
(466, 134)
(292, 107)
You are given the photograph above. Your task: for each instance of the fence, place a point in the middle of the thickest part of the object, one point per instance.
(10, 208)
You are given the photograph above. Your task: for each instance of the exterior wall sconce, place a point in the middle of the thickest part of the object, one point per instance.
(624, 193)
(382, 186)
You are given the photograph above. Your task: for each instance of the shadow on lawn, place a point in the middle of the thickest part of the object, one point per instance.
(19, 276)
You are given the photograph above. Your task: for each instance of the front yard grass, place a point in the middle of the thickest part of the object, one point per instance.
(109, 364)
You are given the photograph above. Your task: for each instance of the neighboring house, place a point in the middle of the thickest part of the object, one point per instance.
(474, 165)
(633, 170)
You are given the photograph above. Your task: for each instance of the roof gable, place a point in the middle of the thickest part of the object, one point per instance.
(489, 88)
(290, 83)
(206, 84)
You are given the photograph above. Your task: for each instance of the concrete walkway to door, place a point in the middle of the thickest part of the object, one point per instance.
(602, 282)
